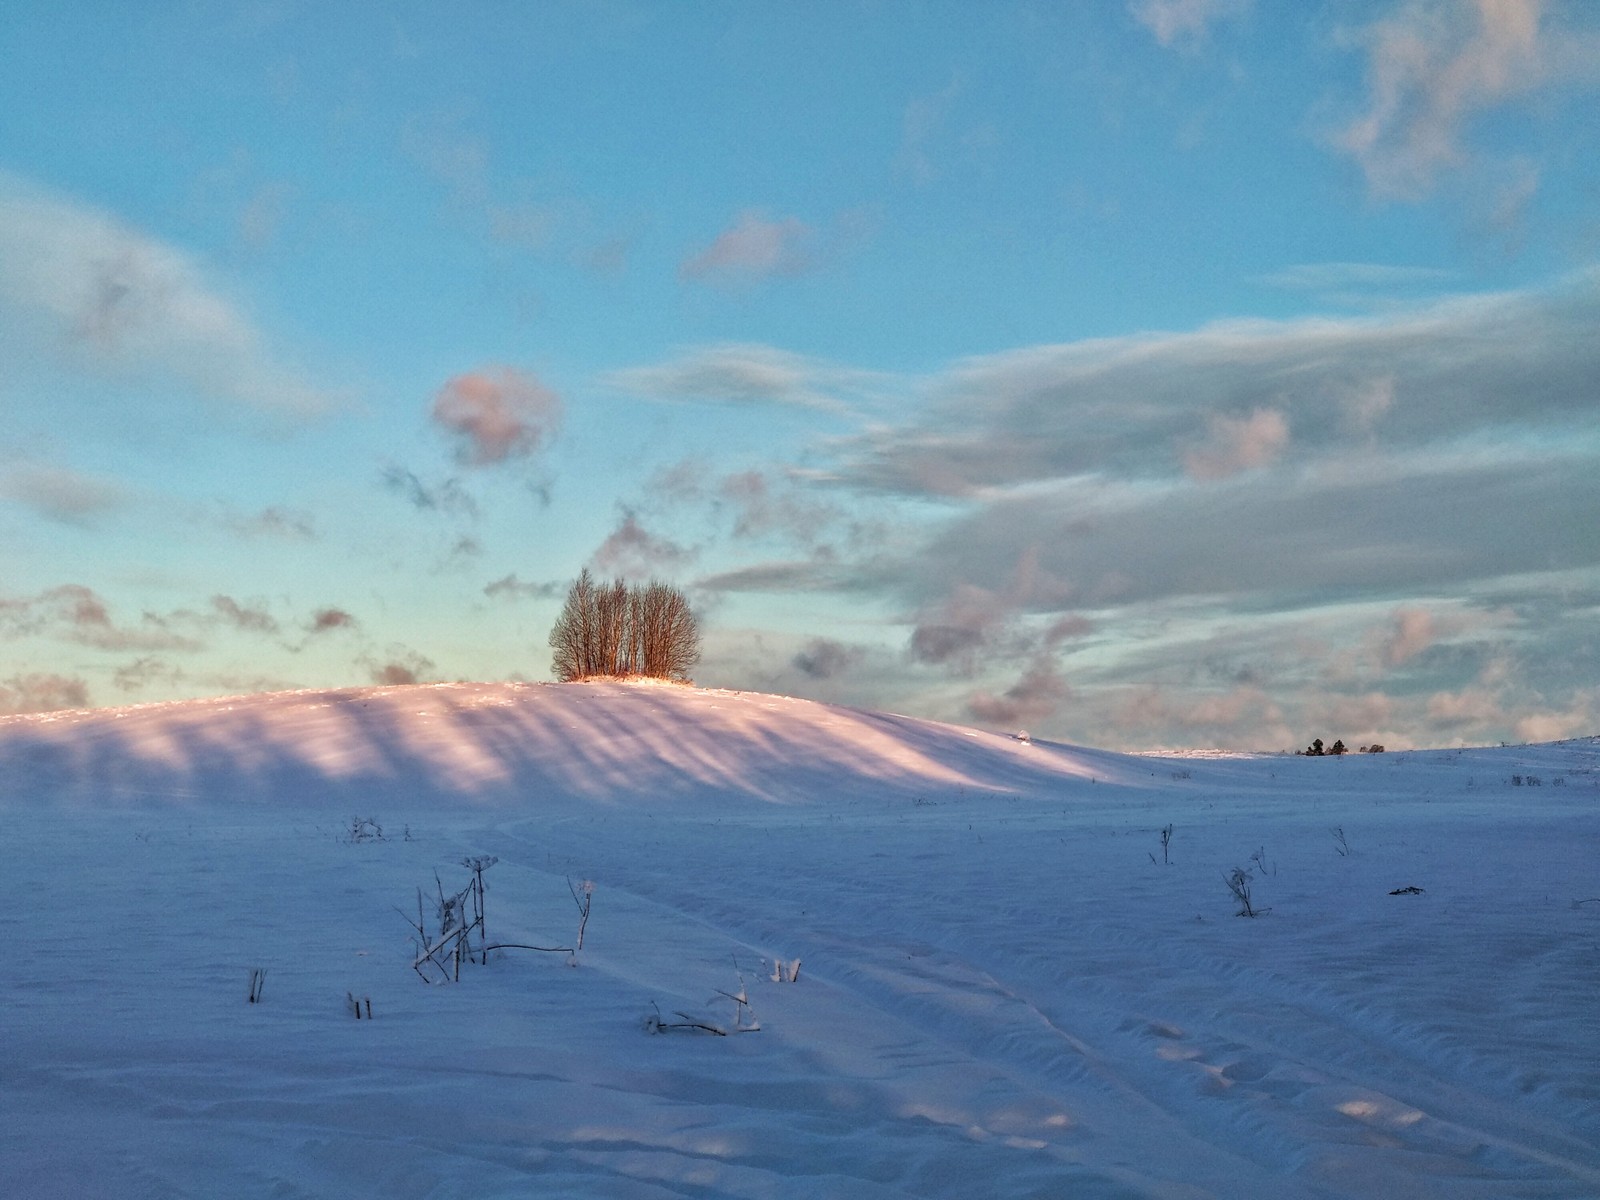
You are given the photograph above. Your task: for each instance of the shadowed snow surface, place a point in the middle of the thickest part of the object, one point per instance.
(1003, 990)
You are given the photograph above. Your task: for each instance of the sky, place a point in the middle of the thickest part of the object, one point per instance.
(1164, 373)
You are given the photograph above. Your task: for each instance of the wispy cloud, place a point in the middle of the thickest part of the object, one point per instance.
(275, 521)
(735, 373)
(1131, 408)
(78, 614)
(633, 552)
(446, 496)
(113, 298)
(509, 587)
(1182, 22)
(754, 247)
(1435, 65)
(60, 493)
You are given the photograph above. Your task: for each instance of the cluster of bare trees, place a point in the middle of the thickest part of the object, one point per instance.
(621, 629)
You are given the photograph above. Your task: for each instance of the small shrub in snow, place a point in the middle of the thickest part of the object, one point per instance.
(1166, 841)
(1341, 847)
(583, 897)
(356, 1003)
(364, 829)
(1238, 881)
(258, 980)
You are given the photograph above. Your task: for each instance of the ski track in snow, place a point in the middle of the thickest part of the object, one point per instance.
(1001, 994)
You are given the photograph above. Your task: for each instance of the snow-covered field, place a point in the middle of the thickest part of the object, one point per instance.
(1003, 990)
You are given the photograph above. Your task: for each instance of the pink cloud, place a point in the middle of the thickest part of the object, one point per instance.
(1414, 631)
(498, 414)
(1237, 444)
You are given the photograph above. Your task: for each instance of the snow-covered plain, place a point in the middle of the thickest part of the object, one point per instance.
(1003, 990)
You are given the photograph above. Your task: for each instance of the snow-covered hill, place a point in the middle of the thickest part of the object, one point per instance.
(1004, 990)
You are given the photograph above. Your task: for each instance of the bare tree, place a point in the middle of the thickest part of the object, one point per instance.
(665, 633)
(614, 629)
(572, 638)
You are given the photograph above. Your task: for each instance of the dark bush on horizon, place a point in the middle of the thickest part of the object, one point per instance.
(617, 629)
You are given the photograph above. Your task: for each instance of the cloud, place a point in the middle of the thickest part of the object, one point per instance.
(632, 552)
(1360, 285)
(115, 299)
(59, 493)
(1106, 408)
(824, 658)
(735, 373)
(1433, 65)
(1413, 633)
(447, 496)
(1235, 444)
(326, 620)
(77, 614)
(250, 620)
(497, 414)
(274, 522)
(42, 693)
(753, 248)
(930, 141)
(403, 666)
(142, 672)
(784, 577)
(1177, 21)
(512, 588)
(1033, 698)
(763, 508)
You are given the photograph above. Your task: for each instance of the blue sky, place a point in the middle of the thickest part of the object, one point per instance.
(1164, 373)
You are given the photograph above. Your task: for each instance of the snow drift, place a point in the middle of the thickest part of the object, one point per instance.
(1010, 987)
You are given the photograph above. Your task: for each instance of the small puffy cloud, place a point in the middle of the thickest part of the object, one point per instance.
(754, 247)
(118, 299)
(824, 658)
(401, 667)
(42, 693)
(58, 493)
(633, 552)
(1235, 444)
(326, 620)
(1175, 21)
(497, 414)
